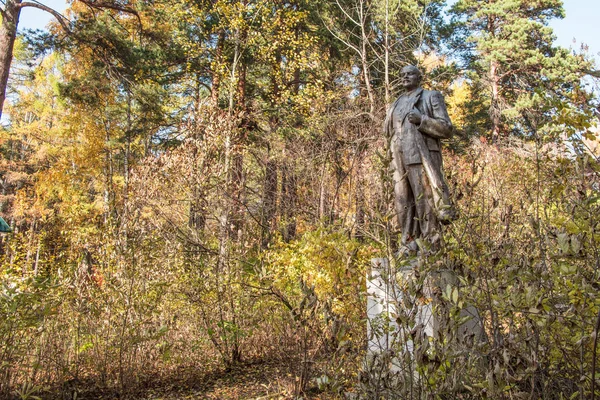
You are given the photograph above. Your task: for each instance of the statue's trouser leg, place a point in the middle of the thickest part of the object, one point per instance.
(403, 198)
(441, 194)
(422, 193)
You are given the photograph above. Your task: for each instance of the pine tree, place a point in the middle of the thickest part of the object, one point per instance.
(513, 66)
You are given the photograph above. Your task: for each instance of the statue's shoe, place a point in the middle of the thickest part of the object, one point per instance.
(407, 250)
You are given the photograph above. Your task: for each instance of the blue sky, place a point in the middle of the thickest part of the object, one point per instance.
(581, 24)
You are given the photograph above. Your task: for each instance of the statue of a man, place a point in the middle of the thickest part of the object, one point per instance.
(415, 123)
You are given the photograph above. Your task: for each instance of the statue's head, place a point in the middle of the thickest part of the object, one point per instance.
(410, 77)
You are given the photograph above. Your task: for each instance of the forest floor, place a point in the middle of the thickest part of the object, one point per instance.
(258, 380)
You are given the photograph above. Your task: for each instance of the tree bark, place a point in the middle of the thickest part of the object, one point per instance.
(237, 185)
(241, 82)
(494, 111)
(288, 202)
(237, 167)
(269, 201)
(387, 55)
(364, 59)
(198, 204)
(359, 199)
(197, 218)
(8, 34)
(216, 78)
(495, 102)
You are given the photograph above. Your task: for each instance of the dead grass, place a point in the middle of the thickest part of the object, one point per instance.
(256, 380)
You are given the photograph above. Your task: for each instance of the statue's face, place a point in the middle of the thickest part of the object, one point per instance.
(410, 77)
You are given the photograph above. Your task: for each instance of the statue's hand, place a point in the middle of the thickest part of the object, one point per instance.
(414, 116)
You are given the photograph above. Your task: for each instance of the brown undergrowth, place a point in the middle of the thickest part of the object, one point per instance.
(255, 379)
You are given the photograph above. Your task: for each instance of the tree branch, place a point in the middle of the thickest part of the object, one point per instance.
(2, 12)
(102, 5)
(594, 73)
(112, 6)
(595, 352)
(59, 17)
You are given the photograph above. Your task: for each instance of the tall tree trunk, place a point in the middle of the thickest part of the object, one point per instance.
(269, 201)
(288, 202)
(216, 75)
(237, 194)
(198, 203)
(237, 166)
(127, 163)
(109, 195)
(359, 199)
(8, 34)
(241, 82)
(495, 101)
(197, 218)
(323, 194)
(364, 57)
(241, 87)
(387, 55)
(494, 84)
(270, 192)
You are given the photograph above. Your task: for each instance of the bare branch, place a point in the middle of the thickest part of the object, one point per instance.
(594, 73)
(62, 20)
(346, 43)
(346, 13)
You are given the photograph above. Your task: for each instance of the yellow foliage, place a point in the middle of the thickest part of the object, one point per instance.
(328, 262)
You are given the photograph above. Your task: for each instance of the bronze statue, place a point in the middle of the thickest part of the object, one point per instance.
(415, 123)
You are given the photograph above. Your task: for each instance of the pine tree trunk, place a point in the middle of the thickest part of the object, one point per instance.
(237, 195)
(269, 201)
(197, 218)
(8, 34)
(288, 202)
(237, 167)
(109, 195)
(495, 102)
(359, 199)
(241, 83)
(323, 194)
(198, 204)
(216, 75)
(364, 58)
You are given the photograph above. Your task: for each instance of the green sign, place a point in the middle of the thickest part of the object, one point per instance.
(4, 228)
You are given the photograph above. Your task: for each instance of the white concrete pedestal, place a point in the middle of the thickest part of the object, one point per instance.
(385, 299)
(401, 326)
